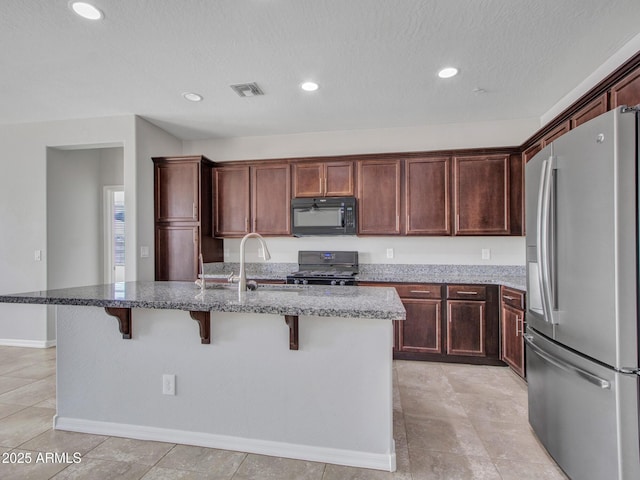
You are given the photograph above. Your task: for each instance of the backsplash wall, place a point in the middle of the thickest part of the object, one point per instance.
(406, 250)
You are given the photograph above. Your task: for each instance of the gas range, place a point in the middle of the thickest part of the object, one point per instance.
(325, 268)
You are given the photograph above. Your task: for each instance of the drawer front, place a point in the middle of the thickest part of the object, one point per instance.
(513, 298)
(467, 292)
(419, 290)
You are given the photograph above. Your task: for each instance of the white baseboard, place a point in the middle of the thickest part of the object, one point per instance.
(349, 458)
(18, 342)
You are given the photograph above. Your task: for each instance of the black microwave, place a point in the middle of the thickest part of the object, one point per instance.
(323, 216)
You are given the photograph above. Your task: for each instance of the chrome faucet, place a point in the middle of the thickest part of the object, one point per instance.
(242, 276)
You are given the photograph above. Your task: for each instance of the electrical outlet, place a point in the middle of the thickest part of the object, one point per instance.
(486, 254)
(144, 252)
(389, 252)
(37, 255)
(226, 253)
(168, 384)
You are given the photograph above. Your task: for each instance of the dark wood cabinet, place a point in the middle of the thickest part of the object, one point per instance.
(325, 179)
(512, 329)
(232, 210)
(466, 327)
(421, 331)
(589, 111)
(482, 190)
(253, 198)
(177, 190)
(531, 152)
(556, 133)
(466, 320)
(427, 196)
(447, 323)
(379, 197)
(626, 91)
(183, 200)
(270, 199)
(177, 250)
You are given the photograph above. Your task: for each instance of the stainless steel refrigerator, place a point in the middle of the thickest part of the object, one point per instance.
(582, 283)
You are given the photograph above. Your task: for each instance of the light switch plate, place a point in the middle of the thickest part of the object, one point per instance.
(144, 252)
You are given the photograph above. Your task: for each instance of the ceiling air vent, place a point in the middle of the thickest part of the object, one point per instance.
(247, 89)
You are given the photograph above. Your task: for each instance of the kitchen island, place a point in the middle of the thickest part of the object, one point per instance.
(302, 372)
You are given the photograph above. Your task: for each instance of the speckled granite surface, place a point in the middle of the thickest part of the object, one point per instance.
(350, 302)
(513, 276)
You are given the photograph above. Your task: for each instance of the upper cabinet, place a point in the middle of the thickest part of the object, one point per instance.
(252, 198)
(271, 199)
(482, 195)
(589, 111)
(427, 196)
(379, 197)
(323, 179)
(556, 133)
(530, 152)
(232, 210)
(626, 91)
(177, 189)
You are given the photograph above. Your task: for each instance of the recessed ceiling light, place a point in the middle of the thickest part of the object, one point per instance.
(86, 10)
(192, 97)
(309, 86)
(448, 72)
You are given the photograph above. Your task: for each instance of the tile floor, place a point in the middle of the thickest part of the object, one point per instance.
(451, 422)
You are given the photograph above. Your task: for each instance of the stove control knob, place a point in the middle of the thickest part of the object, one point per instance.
(304, 282)
(342, 282)
(296, 281)
(333, 282)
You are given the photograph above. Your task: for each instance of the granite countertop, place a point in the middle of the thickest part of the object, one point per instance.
(322, 301)
(513, 276)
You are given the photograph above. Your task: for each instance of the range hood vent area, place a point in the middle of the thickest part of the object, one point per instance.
(247, 89)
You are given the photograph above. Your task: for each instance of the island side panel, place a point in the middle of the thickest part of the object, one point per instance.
(329, 401)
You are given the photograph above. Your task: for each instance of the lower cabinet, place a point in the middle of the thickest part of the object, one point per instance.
(512, 319)
(448, 323)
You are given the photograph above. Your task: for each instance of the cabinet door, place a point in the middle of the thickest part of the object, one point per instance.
(177, 249)
(482, 195)
(420, 332)
(589, 111)
(308, 179)
(232, 208)
(466, 328)
(626, 91)
(177, 191)
(338, 179)
(530, 152)
(556, 133)
(271, 199)
(427, 198)
(379, 197)
(512, 342)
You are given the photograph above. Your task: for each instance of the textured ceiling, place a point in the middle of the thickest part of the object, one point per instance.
(375, 60)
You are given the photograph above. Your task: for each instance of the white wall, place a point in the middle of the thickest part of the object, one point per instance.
(23, 205)
(425, 250)
(74, 218)
(152, 141)
(425, 138)
(75, 213)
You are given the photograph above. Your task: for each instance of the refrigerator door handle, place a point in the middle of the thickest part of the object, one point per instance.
(542, 247)
(566, 366)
